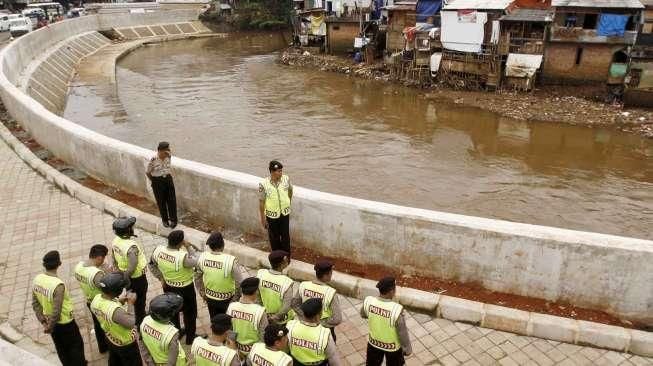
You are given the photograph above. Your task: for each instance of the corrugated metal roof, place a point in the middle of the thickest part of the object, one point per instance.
(634, 4)
(477, 4)
(529, 15)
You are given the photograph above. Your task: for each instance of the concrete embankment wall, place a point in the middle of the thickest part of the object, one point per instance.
(592, 270)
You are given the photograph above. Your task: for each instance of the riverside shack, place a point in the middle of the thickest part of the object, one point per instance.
(590, 40)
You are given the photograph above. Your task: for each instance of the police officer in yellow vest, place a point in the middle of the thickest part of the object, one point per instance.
(129, 258)
(54, 310)
(173, 266)
(89, 273)
(116, 315)
(388, 333)
(319, 288)
(218, 276)
(158, 337)
(309, 341)
(275, 196)
(271, 353)
(219, 349)
(248, 317)
(275, 288)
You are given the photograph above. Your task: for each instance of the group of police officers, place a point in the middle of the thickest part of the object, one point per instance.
(262, 320)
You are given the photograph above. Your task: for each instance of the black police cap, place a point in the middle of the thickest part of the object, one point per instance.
(311, 307)
(386, 284)
(163, 145)
(249, 285)
(175, 237)
(277, 256)
(322, 266)
(275, 165)
(51, 258)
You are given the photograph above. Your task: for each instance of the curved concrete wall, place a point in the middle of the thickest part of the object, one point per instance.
(592, 270)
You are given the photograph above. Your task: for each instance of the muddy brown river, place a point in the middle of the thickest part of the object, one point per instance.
(227, 103)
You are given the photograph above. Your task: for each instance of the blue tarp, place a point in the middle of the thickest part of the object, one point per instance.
(612, 25)
(426, 8)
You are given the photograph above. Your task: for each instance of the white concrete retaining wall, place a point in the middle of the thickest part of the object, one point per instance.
(587, 269)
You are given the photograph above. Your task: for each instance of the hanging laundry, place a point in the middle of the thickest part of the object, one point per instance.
(496, 32)
(318, 26)
(612, 25)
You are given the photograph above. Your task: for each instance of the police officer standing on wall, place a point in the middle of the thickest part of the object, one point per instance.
(117, 320)
(309, 342)
(159, 339)
(129, 258)
(158, 171)
(54, 310)
(331, 313)
(388, 336)
(173, 266)
(275, 196)
(89, 273)
(218, 276)
(276, 288)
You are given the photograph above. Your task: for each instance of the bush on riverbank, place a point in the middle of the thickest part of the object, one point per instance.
(253, 15)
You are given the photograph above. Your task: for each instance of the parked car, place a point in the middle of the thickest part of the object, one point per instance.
(5, 19)
(20, 26)
(34, 14)
(76, 12)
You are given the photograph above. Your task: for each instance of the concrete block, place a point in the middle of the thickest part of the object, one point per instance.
(248, 257)
(301, 271)
(603, 336)
(641, 343)
(506, 319)
(343, 283)
(14, 355)
(97, 200)
(9, 333)
(127, 211)
(417, 299)
(113, 207)
(366, 288)
(553, 327)
(147, 222)
(460, 310)
(195, 237)
(82, 193)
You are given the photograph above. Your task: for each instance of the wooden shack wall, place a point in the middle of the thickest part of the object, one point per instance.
(340, 36)
(398, 20)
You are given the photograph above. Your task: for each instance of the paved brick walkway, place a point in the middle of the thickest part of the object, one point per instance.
(37, 217)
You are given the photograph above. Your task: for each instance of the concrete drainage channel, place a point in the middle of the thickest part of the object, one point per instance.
(485, 315)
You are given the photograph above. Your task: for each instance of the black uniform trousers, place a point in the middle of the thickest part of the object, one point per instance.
(375, 357)
(69, 344)
(189, 309)
(139, 286)
(279, 233)
(217, 306)
(128, 355)
(164, 193)
(101, 338)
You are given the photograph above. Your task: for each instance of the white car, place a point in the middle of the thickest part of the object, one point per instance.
(76, 12)
(20, 26)
(5, 19)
